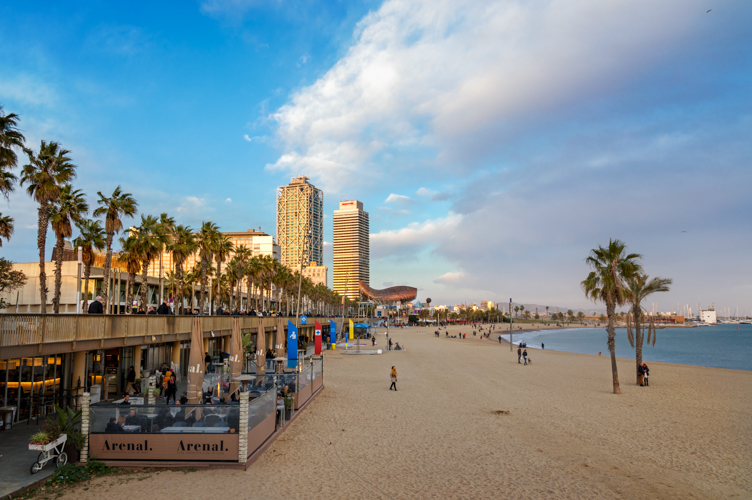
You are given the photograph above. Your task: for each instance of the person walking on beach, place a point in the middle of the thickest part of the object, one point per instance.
(519, 355)
(543, 346)
(524, 355)
(394, 379)
(499, 338)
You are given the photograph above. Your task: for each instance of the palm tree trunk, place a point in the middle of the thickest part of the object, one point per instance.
(610, 310)
(144, 284)
(178, 273)
(204, 265)
(106, 281)
(129, 294)
(58, 274)
(44, 217)
(638, 341)
(87, 273)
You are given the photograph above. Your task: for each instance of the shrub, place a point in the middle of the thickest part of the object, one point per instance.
(39, 438)
(77, 439)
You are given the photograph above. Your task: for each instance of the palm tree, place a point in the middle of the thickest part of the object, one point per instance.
(150, 239)
(253, 273)
(242, 256)
(10, 138)
(183, 245)
(222, 249)
(639, 287)
(70, 206)
(6, 227)
(91, 236)
(206, 240)
(522, 309)
(114, 208)
(46, 173)
(516, 309)
(168, 225)
(611, 268)
(546, 310)
(132, 259)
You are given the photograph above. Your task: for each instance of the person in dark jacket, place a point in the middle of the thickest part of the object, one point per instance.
(131, 379)
(96, 307)
(164, 308)
(113, 426)
(220, 311)
(152, 311)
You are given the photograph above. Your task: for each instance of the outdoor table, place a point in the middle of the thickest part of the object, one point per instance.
(195, 430)
(132, 428)
(152, 417)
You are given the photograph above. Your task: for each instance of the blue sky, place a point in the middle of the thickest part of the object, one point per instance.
(493, 143)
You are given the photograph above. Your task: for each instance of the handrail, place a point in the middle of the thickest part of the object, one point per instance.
(29, 328)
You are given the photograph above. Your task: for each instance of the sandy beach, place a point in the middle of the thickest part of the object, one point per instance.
(446, 433)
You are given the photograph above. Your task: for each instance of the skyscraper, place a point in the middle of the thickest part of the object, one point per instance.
(351, 248)
(300, 213)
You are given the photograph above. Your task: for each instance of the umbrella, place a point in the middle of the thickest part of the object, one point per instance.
(196, 365)
(362, 325)
(281, 338)
(261, 349)
(236, 354)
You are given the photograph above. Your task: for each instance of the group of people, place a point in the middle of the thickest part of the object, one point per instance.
(96, 307)
(521, 354)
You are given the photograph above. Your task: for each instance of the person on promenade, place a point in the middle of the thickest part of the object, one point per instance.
(152, 310)
(390, 344)
(524, 355)
(165, 382)
(172, 389)
(394, 379)
(220, 311)
(164, 308)
(96, 306)
(131, 379)
(126, 400)
(519, 355)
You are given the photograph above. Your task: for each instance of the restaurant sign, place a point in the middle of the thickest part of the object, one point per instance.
(178, 447)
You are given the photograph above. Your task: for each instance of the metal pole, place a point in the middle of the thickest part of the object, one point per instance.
(510, 325)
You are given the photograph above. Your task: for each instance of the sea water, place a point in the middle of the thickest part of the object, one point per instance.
(719, 346)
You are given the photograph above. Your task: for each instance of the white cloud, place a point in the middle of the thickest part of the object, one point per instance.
(397, 198)
(192, 204)
(451, 278)
(425, 192)
(413, 237)
(444, 72)
(26, 89)
(228, 200)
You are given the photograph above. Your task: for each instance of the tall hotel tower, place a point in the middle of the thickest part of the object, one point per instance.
(351, 248)
(300, 213)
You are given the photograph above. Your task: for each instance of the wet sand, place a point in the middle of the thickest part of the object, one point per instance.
(469, 422)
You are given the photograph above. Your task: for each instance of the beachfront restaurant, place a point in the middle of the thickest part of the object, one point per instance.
(228, 430)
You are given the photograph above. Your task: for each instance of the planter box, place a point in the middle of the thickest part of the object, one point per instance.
(50, 445)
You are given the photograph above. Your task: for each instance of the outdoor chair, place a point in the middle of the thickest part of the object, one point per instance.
(200, 424)
(180, 424)
(220, 424)
(211, 420)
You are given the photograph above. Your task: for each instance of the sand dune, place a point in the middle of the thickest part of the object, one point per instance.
(688, 435)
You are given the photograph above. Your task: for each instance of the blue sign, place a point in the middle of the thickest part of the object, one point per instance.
(378, 314)
(303, 320)
(292, 345)
(332, 332)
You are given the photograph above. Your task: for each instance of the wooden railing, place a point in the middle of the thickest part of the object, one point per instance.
(25, 329)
